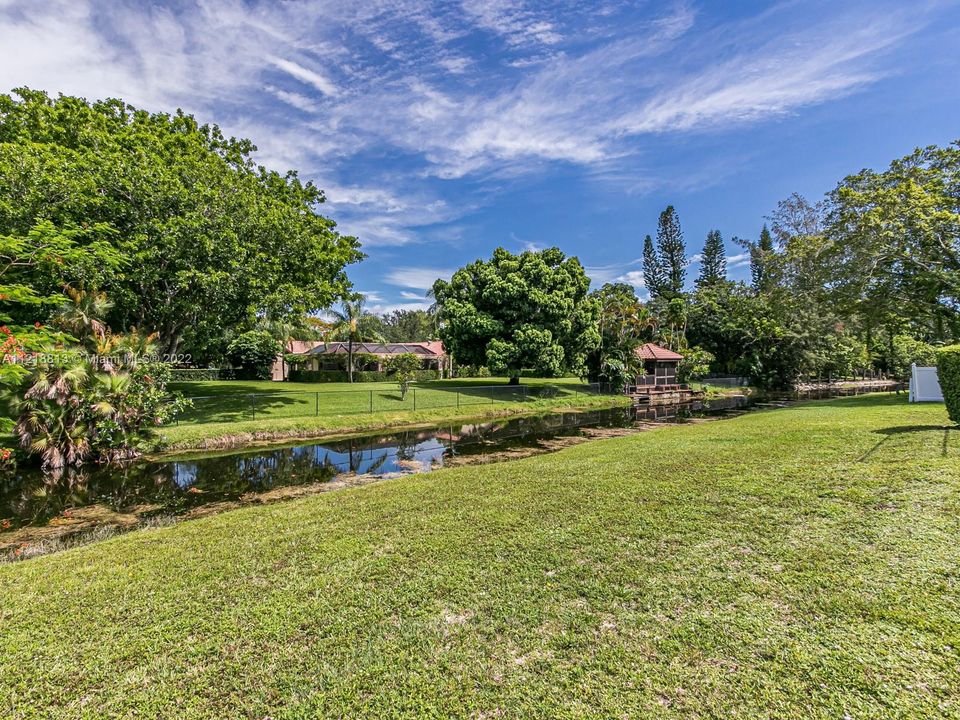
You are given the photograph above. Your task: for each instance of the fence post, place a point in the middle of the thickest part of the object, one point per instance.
(458, 399)
(371, 401)
(414, 399)
(253, 407)
(317, 405)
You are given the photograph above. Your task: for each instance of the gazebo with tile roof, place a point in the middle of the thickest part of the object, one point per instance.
(659, 365)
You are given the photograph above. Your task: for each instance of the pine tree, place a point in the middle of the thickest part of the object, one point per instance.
(713, 266)
(653, 275)
(673, 252)
(760, 257)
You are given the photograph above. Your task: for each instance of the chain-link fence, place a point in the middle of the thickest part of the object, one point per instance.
(234, 407)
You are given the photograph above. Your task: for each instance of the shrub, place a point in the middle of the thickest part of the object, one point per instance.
(404, 368)
(469, 371)
(948, 371)
(318, 376)
(71, 411)
(253, 353)
(695, 364)
(196, 374)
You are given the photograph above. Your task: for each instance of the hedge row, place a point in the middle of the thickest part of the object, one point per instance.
(948, 372)
(327, 376)
(188, 374)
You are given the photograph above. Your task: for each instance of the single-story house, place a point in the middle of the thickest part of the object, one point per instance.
(659, 365)
(331, 355)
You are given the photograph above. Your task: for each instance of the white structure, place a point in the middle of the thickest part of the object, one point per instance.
(925, 385)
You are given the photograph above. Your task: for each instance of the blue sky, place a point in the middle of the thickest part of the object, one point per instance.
(442, 130)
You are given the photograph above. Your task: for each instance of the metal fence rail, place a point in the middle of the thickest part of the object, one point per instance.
(237, 407)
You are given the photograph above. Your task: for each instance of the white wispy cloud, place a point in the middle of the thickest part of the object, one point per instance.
(633, 277)
(342, 90)
(386, 308)
(738, 260)
(614, 272)
(305, 75)
(418, 278)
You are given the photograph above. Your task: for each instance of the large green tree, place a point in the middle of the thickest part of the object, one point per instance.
(673, 252)
(893, 243)
(654, 278)
(514, 312)
(403, 326)
(763, 260)
(713, 263)
(210, 240)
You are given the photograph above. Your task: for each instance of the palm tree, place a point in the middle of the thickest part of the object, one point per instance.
(82, 314)
(355, 324)
(52, 419)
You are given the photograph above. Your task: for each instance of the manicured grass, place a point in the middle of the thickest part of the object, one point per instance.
(233, 401)
(239, 412)
(786, 563)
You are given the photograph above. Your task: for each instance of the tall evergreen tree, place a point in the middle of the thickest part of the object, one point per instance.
(653, 274)
(673, 252)
(713, 266)
(761, 255)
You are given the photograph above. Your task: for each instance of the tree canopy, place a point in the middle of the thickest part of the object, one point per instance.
(516, 312)
(208, 239)
(893, 242)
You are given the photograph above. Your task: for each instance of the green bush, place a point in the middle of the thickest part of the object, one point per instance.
(695, 364)
(194, 374)
(469, 371)
(253, 354)
(318, 376)
(948, 371)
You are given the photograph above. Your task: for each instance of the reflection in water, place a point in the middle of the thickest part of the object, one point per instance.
(144, 490)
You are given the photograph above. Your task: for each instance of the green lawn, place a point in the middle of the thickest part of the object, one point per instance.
(232, 401)
(238, 412)
(786, 563)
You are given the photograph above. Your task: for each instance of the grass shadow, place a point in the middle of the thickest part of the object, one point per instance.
(890, 432)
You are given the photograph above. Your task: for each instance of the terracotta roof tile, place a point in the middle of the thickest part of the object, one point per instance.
(650, 351)
(427, 349)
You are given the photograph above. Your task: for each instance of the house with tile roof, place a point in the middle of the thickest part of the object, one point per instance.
(319, 355)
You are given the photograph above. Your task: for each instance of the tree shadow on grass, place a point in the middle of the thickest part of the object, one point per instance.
(237, 407)
(864, 400)
(890, 432)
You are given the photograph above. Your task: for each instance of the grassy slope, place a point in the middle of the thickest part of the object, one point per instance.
(310, 409)
(788, 563)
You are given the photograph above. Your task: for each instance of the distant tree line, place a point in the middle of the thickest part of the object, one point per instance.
(867, 279)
